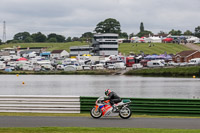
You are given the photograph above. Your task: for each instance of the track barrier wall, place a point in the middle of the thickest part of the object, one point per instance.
(157, 106)
(40, 104)
(77, 104)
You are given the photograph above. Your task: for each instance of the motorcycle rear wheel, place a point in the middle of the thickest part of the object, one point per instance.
(95, 114)
(125, 113)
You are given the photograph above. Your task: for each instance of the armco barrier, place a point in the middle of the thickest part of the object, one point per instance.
(156, 106)
(40, 104)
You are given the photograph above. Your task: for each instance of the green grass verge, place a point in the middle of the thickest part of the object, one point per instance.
(94, 130)
(168, 72)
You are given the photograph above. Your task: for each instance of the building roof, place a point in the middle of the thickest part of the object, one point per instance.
(45, 53)
(186, 53)
(80, 47)
(56, 51)
(29, 51)
(106, 34)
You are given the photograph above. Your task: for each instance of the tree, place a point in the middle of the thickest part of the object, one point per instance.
(175, 32)
(0, 42)
(38, 37)
(9, 41)
(109, 25)
(53, 39)
(123, 35)
(28, 39)
(87, 35)
(21, 36)
(188, 32)
(197, 31)
(143, 32)
(69, 39)
(131, 35)
(162, 34)
(59, 38)
(141, 27)
(52, 35)
(75, 39)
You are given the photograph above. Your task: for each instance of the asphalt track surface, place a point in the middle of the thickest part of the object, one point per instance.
(37, 121)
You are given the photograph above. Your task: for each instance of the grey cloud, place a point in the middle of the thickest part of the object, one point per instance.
(74, 17)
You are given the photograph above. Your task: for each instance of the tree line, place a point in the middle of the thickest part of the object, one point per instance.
(109, 25)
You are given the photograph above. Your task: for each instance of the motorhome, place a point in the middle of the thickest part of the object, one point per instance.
(70, 68)
(156, 63)
(27, 67)
(2, 65)
(195, 61)
(46, 64)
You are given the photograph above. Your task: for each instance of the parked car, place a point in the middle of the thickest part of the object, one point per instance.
(111, 67)
(183, 64)
(171, 63)
(60, 67)
(97, 67)
(137, 66)
(86, 67)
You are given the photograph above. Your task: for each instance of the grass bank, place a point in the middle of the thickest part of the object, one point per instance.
(94, 130)
(124, 48)
(49, 46)
(167, 72)
(96, 72)
(156, 48)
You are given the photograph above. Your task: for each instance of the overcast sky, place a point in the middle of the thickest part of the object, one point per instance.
(74, 17)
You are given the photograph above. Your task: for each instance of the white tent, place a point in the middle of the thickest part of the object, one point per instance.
(193, 39)
(153, 39)
(135, 39)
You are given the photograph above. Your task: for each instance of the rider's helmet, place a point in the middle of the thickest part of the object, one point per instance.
(107, 92)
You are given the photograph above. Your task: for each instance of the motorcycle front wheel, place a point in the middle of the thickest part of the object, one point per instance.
(95, 113)
(125, 113)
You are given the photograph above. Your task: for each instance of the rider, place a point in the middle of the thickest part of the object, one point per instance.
(113, 97)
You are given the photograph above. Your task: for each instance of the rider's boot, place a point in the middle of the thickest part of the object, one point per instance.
(114, 108)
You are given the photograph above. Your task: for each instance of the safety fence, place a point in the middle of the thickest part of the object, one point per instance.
(77, 104)
(40, 104)
(157, 106)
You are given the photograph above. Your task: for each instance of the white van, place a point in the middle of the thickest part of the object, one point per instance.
(156, 63)
(195, 61)
(120, 65)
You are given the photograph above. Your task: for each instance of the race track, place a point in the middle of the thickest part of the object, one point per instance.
(29, 121)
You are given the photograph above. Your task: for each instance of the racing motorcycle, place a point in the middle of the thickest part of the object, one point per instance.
(103, 108)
